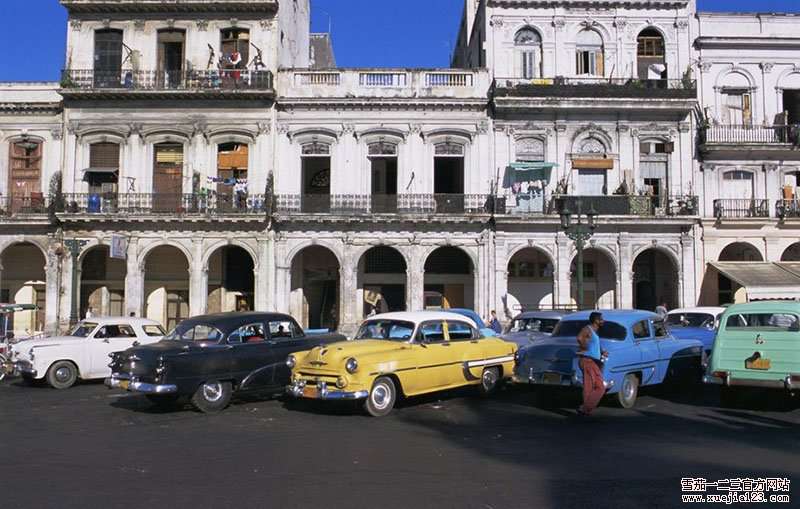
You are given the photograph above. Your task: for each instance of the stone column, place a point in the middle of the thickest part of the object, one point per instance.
(348, 311)
(64, 305)
(415, 281)
(625, 276)
(134, 281)
(198, 280)
(562, 277)
(689, 273)
(263, 281)
(52, 324)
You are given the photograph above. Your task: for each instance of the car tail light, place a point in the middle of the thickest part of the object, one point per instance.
(720, 374)
(794, 378)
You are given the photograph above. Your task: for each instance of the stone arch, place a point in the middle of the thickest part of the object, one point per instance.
(102, 281)
(373, 133)
(455, 134)
(449, 278)
(315, 287)
(382, 279)
(600, 28)
(332, 247)
(155, 244)
(607, 251)
(736, 77)
(472, 256)
(241, 136)
(23, 239)
(531, 280)
(166, 283)
(230, 269)
(666, 250)
(740, 251)
(791, 253)
(789, 78)
(24, 281)
(600, 279)
(162, 135)
(592, 131)
(211, 249)
(651, 285)
(665, 34)
(308, 134)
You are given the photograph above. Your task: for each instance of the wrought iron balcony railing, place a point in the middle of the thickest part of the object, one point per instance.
(731, 208)
(163, 204)
(627, 205)
(11, 206)
(351, 204)
(787, 209)
(577, 87)
(750, 134)
(194, 80)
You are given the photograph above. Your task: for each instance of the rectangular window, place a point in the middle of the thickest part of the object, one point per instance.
(589, 62)
(530, 67)
(459, 331)
(104, 155)
(153, 330)
(763, 321)
(736, 108)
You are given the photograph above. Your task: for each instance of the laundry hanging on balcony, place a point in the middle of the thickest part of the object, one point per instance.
(229, 181)
(531, 171)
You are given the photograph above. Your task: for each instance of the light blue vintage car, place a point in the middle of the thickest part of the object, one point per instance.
(530, 326)
(640, 349)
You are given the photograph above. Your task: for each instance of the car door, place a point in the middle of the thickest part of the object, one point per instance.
(251, 353)
(434, 356)
(106, 339)
(285, 337)
(647, 346)
(465, 346)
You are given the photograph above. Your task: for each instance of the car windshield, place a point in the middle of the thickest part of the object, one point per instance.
(690, 320)
(571, 328)
(545, 325)
(83, 329)
(195, 333)
(393, 330)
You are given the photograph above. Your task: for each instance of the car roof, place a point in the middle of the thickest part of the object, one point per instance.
(712, 310)
(625, 317)
(423, 316)
(227, 322)
(134, 320)
(469, 313)
(764, 305)
(542, 314)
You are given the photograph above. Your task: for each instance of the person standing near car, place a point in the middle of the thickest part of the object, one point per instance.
(494, 323)
(590, 361)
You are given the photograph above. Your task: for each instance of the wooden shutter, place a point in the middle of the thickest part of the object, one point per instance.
(104, 155)
(747, 113)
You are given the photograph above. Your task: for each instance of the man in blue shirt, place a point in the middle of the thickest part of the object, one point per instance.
(494, 323)
(591, 363)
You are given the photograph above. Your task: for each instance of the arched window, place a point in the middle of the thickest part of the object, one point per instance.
(449, 148)
(650, 55)
(316, 148)
(589, 57)
(528, 44)
(591, 145)
(382, 148)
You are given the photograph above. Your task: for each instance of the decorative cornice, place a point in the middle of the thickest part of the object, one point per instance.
(202, 25)
(138, 25)
(75, 24)
(766, 67)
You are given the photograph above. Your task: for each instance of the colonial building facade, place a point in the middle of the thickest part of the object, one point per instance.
(210, 147)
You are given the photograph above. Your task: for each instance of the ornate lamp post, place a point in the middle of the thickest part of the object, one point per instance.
(579, 232)
(74, 247)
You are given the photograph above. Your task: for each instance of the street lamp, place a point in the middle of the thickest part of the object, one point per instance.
(74, 247)
(579, 232)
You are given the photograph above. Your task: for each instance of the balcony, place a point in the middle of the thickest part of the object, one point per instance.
(627, 205)
(355, 204)
(387, 84)
(24, 208)
(787, 209)
(225, 84)
(596, 94)
(744, 141)
(119, 207)
(732, 208)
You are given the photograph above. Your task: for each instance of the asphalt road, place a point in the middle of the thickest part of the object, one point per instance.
(92, 447)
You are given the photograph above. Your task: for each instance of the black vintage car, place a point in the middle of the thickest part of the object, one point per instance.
(211, 357)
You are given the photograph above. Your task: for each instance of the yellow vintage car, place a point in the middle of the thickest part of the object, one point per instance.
(402, 354)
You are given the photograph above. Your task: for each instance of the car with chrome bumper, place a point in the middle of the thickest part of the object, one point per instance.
(757, 345)
(402, 354)
(641, 352)
(529, 326)
(83, 353)
(210, 358)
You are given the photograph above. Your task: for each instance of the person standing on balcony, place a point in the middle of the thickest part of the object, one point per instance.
(591, 364)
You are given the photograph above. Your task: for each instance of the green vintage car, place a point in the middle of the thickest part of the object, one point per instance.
(757, 345)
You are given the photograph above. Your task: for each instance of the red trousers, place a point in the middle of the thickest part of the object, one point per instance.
(593, 388)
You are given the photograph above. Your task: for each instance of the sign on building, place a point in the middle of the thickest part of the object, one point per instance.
(119, 247)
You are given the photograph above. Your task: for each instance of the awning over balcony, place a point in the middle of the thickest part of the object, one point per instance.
(100, 175)
(527, 171)
(764, 280)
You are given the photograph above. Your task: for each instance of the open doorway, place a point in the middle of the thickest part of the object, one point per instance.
(383, 163)
(171, 46)
(448, 177)
(167, 177)
(232, 166)
(791, 105)
(316, 170)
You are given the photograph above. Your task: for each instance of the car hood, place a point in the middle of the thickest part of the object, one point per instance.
(523, 338)
(706, 336)
(26, 344)
(335, 354)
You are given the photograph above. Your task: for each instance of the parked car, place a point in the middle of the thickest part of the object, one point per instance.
(83, 353)
(532, 325)
(695, 323)
(211, 357)
(404, 353)
(482, 326)
(757, 345)
(641, 352)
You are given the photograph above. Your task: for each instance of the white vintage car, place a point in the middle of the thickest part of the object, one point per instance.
(84, 353)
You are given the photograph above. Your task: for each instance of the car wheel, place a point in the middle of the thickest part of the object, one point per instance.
(490, 381)
(163, 400)
(62, 375)
(212, 396)
(381, 398)
(626, 397)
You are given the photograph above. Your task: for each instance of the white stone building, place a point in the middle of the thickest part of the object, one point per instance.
(213, 145)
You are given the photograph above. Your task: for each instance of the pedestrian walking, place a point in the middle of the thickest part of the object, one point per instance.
(89, 313)
(494, 323)
(661, 309)
(591, 363)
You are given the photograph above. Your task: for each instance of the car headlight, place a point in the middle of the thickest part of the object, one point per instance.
(351, 365)
(291, 361)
